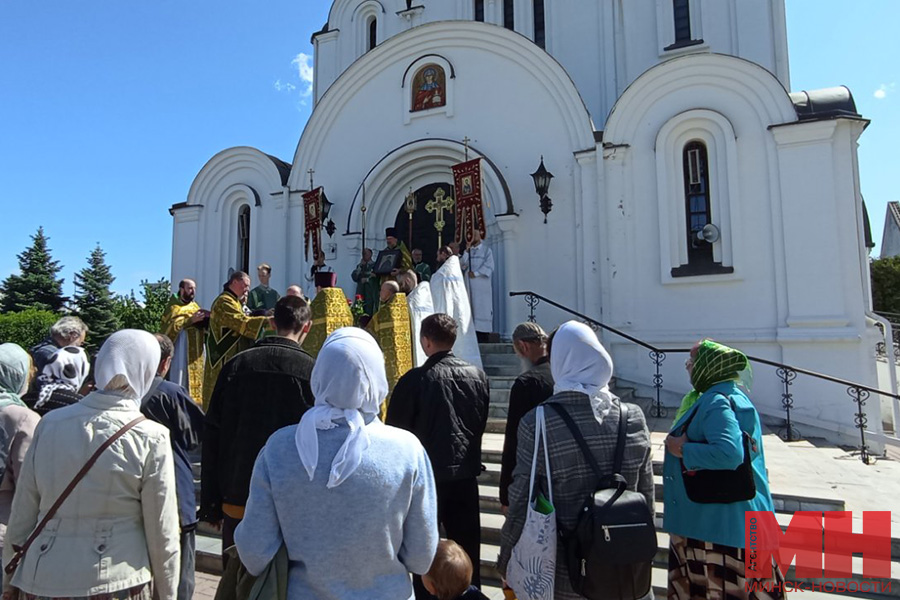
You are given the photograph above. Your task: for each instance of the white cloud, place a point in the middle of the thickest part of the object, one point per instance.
(304, 64)
(883, 90)
(284, 86)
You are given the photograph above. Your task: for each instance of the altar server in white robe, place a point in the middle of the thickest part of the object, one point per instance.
(448, 292)
(420, 306)
(478, 263)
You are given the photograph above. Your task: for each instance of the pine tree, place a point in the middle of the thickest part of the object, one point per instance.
(36, 286)
(94, 302)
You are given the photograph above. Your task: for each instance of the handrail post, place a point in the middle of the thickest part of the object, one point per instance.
(787, 376)
(532, 302)
(657, 410)
(859, 396)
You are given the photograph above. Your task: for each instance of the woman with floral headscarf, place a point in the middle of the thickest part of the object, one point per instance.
(353, 500)
(706, 553)
(17, 423)
(118, 529)
(61, 380)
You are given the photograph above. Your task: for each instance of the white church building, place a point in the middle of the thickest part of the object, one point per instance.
(662, 121)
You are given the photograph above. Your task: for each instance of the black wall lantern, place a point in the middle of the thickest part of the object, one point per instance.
(542, 179)
(326, 210)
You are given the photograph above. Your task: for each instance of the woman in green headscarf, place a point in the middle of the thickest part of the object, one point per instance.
(17, 423)
(707, 540)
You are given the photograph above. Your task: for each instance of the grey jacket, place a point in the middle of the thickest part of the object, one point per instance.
(573, 479)
(119, 525)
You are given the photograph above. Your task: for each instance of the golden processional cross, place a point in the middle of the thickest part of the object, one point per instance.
(440, 203)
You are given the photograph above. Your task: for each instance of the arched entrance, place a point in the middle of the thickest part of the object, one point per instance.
(424, 235)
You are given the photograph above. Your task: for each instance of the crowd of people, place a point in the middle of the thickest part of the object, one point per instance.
(347, 446)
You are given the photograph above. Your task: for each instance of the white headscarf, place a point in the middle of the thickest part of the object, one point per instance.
(580, 363)
(131, 355)
(348, 382)
(67, 369)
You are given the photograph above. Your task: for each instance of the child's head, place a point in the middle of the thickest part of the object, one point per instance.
(451, 571)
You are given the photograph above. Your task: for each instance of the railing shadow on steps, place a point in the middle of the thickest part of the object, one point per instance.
(858, 392)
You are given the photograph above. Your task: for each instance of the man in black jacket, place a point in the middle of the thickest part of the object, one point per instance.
(445, 403)
(259, 391)
(529, 389)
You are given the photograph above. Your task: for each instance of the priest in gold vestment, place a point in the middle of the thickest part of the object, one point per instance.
(391, 329)
(230, 330)
(184, 323)
(330, 311)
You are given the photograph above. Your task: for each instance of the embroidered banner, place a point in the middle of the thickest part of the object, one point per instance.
(312, 210)
(469, 209)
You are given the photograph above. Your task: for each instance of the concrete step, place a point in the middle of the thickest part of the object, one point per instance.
(501, 382)
(501, 348)
(501, 360)
(502, 371)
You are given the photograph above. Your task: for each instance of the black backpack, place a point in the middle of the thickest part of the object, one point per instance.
(610, 551)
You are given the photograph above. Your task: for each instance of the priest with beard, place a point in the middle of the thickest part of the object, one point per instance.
(330, 311)
(391, 329)
(448, 293)
(184, 322)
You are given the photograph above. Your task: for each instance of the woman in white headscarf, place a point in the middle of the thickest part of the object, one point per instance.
(17, 423)
(118, 529)
(352, 499)
(61, 380)
(582, 369)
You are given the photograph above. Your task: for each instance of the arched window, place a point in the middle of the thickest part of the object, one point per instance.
(682, 16)
(243, 246)
(539, 34)
(373, 33)
(509, 14)
(479, 10)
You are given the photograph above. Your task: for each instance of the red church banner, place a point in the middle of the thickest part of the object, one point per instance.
(469, 209)
(312, 210)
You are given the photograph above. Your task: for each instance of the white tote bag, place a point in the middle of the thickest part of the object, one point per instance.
(531, 571)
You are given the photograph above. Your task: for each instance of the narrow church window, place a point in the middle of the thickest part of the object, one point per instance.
(243, 256)
(539, 34)
(373, 33)
(696, 190)
(509, 14)
(479, 10)
(682, 13)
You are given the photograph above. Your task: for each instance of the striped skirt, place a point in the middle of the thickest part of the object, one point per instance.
(701, 570)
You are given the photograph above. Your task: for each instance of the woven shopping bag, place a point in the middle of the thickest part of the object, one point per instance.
(531, 571)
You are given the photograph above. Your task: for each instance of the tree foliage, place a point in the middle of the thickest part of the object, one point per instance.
(26, 328)
(94, 302)
(146, 313)
(886, 285)
(36, 286)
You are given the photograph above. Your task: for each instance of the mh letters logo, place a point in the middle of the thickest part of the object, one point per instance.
(820, 548)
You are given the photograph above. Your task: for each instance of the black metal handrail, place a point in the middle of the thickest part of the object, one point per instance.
(858, 392)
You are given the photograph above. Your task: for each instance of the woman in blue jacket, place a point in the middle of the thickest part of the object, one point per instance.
(706, 553)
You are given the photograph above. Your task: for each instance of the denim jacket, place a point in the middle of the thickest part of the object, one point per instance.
(715, 442)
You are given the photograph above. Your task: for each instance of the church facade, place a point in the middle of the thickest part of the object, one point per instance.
(693, 194)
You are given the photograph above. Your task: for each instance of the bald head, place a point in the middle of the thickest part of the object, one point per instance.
(388, 290)
(407, 281)
(294, 290)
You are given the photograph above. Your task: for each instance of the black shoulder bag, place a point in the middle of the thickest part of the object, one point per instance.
(610, 551)
(720, 486)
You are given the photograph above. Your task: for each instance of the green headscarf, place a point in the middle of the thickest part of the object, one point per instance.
(713, 363)
(15, 366)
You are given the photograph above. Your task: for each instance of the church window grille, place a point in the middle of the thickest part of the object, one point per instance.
(682, 17)
(479, 10)
(244, 238)
(509, 14)
(373, 33)
(539, 24)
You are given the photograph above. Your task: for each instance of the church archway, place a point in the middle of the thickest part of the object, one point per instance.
(420, 232)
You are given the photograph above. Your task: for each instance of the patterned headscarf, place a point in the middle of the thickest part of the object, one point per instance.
(714, 363)
(67, 369)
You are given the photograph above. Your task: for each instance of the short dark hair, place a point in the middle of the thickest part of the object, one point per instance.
(166, 347)
(234, 277)
(291, 314)
(440, 329)
(182, 283)
(446, 250)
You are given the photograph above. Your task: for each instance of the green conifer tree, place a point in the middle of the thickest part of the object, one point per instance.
(36, 286)
(94, 302)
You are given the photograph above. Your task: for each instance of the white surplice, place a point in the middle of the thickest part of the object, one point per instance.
(420, 306)
(479, 261)
(449, 295)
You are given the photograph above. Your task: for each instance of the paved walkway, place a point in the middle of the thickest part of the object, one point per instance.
(206, 586)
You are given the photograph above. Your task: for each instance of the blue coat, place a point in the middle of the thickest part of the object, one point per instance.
(716, 444)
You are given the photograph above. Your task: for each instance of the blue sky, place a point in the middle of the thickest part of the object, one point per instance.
(109, 109)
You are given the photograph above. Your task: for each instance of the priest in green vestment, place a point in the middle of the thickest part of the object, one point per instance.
(330, 311)
(393, 243)
(366, 282)
(184, 322)
(392, 330)
(262, 297)
(422, 269)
